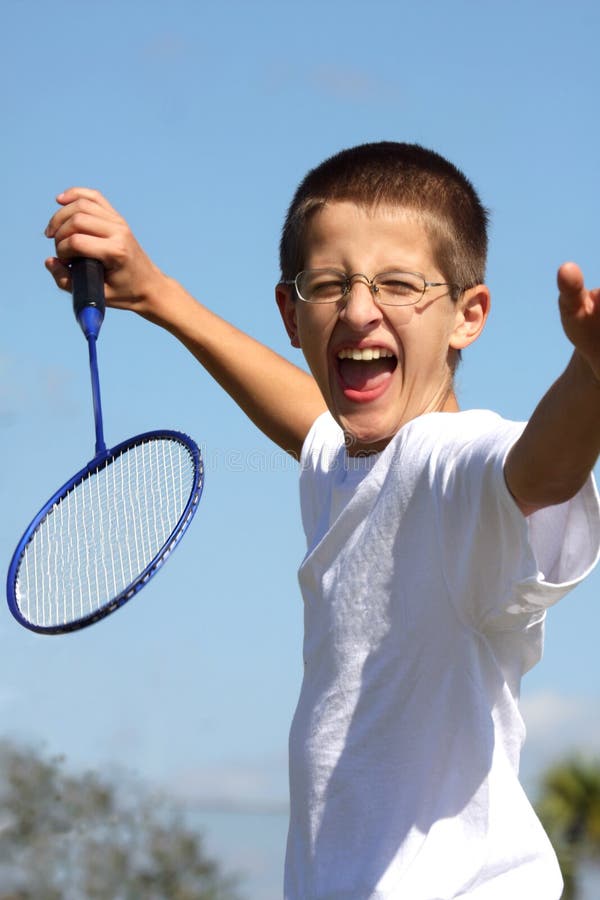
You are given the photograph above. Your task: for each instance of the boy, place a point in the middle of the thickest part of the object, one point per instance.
(436, 538)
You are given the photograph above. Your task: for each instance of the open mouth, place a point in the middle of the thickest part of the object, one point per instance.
(365, 372)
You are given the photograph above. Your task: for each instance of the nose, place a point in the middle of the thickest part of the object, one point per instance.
(360, 311)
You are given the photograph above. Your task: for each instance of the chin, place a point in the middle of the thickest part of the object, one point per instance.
(365, 438)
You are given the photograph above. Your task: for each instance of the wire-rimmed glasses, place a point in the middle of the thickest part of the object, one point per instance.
(394, 288)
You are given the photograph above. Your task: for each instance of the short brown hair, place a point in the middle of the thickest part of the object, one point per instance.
(402, 175)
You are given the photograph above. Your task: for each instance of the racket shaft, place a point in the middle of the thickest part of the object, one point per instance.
(98, 424)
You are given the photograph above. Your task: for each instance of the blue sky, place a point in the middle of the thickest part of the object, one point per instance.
(197, 121)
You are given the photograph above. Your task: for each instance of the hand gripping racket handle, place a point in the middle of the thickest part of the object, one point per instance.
(87, 285)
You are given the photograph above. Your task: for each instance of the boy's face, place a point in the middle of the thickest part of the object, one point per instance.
(372, 399)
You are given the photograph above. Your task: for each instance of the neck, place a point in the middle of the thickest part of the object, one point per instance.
(450, 403)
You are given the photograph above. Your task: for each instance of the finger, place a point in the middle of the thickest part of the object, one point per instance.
(572, 288)
(82, 205)
(570, 277)
(84, 193)
(60, 272)
(89, 245)
(83, 223)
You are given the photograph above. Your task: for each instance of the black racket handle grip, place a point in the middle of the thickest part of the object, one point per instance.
(87, 287)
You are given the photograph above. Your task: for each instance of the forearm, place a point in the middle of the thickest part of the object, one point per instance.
(281, 399)
(560, 445)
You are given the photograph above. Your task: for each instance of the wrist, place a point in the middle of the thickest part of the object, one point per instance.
(151, 288)
(166, 303)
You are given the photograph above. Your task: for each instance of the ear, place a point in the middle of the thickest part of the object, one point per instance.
(472, 310)
(287, 309)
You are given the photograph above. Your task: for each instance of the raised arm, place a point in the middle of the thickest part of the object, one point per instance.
(560, 445)
(281, 399)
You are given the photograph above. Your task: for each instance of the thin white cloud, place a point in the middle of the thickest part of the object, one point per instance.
(572, 719)
(558, 726)
(339, 82)
(9, 696)
(237, 786)
(58, 390)
(12, 393)
(166, 48)
(24, 386)
(345, 83)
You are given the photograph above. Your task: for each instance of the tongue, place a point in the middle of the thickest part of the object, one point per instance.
(365, 376)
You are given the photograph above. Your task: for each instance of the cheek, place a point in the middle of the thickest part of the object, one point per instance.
(314, 334)
(424, 339)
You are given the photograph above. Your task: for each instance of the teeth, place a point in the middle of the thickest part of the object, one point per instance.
(365, 355)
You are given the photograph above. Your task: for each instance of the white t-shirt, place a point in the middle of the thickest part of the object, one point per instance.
(425, 591)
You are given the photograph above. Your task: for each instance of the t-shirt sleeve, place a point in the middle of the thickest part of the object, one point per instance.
(320, 455)
(502, 568)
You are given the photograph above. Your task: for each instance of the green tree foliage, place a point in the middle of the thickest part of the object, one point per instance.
(569, 808)
(80, 837)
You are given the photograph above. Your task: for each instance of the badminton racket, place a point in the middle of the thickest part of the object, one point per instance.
(105, 533)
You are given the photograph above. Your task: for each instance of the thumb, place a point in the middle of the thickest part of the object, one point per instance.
(60, 272)
(571, 287)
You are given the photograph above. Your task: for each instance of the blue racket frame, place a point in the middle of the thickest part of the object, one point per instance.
(87, 276)
(96, 465)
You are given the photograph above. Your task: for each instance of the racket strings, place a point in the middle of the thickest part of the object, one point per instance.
(98, 540)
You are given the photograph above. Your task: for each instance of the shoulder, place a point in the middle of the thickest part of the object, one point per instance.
(452, 436)
(461, 427)
(453, 452)
(323, 444)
